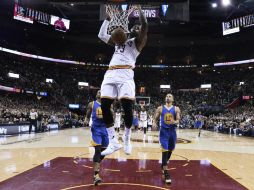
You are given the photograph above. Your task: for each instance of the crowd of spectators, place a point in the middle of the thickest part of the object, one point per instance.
(239, 121)
(185, 84)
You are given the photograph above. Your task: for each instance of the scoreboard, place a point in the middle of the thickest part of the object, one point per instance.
(235, 25)
(31, 16)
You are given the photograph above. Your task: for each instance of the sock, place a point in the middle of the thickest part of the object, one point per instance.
(111, 133)
(96, 168)
(165, 168)
(127, 131)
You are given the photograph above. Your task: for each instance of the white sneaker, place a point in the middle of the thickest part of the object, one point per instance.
(112, 147)
(144, 137)
(127, 144)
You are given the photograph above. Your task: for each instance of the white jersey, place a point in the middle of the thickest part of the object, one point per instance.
(33, 115)
(143, 116)
(125, 54)
(135, 114)
(150, 120)
(118, 117)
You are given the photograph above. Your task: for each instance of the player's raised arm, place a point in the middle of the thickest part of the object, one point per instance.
(142, 38)
(103, 34)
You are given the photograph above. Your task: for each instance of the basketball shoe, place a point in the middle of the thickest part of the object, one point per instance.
(113, 143)
(167, 177)
(96, 179)
(127, 143)
(112, 147)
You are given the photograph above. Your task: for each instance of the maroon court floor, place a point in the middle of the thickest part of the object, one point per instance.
(121, 174)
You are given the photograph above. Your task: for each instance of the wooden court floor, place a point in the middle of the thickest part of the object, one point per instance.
(26, 156)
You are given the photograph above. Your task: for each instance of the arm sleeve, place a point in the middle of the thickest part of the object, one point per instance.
(103, 35)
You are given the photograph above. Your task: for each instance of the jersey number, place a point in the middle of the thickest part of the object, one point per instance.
(120, 49)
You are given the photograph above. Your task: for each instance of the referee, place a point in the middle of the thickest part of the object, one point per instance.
(33, 120)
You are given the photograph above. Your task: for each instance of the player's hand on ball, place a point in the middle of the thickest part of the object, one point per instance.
(108, 17)
(137, 7)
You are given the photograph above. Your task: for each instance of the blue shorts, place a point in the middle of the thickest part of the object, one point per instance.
(135, 122)
(99, 136)
(167, 139)
(198, 124)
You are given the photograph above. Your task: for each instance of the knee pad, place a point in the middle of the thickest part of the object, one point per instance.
(106, 111)
(128, 114)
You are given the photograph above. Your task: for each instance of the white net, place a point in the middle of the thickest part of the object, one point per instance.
(119, 15)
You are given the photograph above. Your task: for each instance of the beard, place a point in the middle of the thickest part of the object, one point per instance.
(168, 101)
(133, 34)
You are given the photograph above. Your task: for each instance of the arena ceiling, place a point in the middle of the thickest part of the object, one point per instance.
(201, 11)
(202, 32)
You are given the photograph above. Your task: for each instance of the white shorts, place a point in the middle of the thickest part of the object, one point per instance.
(118, 83)
(117, 124)
(143, 124)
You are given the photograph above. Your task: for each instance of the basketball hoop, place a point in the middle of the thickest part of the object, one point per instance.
(119, 16)
(142, 103)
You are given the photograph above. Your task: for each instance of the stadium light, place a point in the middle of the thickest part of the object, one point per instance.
(49, 80)
(74, 106)
(83, 84)
(214, 5)
(226, 3)
(241, 83)
(124, 7)
(206, 86)
(13, 75)
(164, 9)
(165, 86)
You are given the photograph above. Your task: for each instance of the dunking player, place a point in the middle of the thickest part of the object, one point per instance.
(143, 119)
(99, 134)
(118, 81)
(169, 117)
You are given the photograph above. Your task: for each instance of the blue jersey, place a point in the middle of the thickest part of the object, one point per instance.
(167, 135)
(97, 117)
(199, 117)
(167, 117)
(199, 121)
(99, 131)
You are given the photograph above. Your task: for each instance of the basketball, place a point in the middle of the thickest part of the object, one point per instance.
(118, 36)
